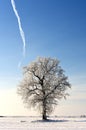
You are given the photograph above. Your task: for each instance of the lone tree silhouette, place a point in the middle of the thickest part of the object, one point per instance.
(43, 84)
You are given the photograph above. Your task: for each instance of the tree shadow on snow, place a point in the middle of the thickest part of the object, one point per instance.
(48, 121)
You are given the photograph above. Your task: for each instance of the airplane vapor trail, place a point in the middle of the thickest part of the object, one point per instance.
(19, 25)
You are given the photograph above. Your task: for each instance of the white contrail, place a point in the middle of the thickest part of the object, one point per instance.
(20, 26)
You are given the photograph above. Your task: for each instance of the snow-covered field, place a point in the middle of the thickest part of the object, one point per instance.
(35, 123)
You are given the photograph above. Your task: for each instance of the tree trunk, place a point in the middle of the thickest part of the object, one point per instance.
(44, 117)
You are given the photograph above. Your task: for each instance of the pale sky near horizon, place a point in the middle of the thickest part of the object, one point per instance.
(53, 28)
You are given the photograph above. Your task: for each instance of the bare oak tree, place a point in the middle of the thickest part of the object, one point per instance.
(43, 84)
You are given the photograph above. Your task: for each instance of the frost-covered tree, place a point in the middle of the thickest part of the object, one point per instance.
(43, 84)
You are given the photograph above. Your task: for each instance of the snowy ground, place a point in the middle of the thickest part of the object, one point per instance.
(35, 123)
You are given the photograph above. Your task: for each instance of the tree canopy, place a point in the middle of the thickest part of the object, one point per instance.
(43, 84)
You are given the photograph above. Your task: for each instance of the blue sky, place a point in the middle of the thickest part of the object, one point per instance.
(53, 28)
